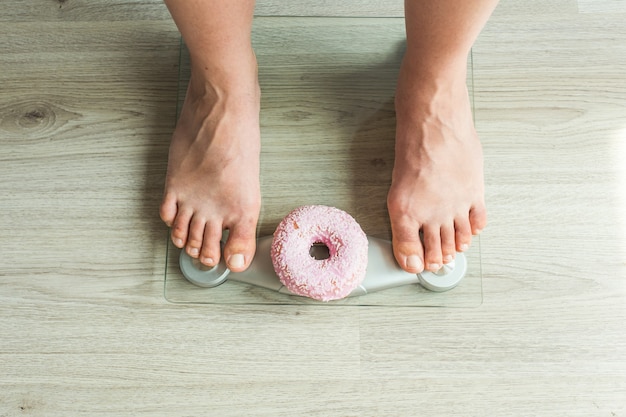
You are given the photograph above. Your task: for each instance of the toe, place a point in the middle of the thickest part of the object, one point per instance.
(211, 247)
(168, 209)
(240, 246)
(180, 228)
(196, 236)
(478, 219)
(409, 255)
(448, 246)
(432, 247)
(407, 246)
(463, 234)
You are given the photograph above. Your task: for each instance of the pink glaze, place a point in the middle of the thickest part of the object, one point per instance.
(327, 279)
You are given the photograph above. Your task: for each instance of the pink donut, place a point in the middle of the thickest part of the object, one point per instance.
(327, 279)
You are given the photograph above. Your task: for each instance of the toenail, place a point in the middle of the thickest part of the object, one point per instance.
(447, 259)
(178, 243)
(464, 247)
(414, 262)
(207, 261)
(194, 251)
(434, 267)
(236, 261)
(478, 231)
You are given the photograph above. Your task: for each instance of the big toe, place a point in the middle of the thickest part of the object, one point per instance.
(407, 246)
(168, 209)
(478, 219)
(240, 246)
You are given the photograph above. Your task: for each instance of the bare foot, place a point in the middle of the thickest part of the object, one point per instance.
(437, 182)
(212, 181)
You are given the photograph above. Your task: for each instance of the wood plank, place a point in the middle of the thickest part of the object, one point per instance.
(86, 111)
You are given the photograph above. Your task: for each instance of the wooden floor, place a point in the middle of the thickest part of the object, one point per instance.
(88, 94)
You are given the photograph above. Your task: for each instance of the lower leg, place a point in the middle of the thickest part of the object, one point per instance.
(437, 184)
(212, 179)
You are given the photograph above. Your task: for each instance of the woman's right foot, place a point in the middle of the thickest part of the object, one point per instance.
(212, 181)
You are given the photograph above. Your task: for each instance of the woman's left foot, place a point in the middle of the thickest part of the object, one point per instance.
(437, 183)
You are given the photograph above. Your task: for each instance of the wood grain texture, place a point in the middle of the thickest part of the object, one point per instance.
(362, 8)
(87, 106)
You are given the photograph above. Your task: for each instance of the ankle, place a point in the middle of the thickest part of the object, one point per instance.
(433, 72)
(232, 73)
(435, 62)
(425, 89)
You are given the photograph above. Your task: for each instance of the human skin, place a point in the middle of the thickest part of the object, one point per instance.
(437, 181)
(212, 181)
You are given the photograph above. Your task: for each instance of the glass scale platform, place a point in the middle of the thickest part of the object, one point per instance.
(327, 134)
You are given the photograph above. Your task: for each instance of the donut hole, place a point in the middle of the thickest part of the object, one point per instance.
(319, 251)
